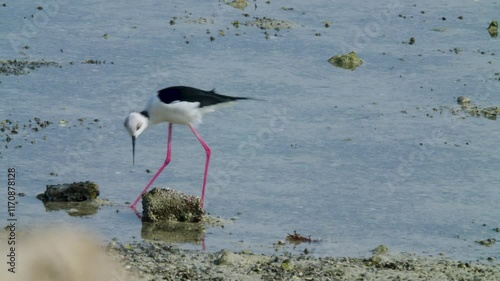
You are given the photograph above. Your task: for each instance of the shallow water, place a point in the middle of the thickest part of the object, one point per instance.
(354, 158)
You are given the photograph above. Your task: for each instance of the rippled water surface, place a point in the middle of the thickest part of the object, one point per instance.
(354, 158)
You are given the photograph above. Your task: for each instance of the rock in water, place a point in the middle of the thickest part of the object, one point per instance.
(70, 192)
(164, 204)
(239, 4)
(349, 61)
(493, 29)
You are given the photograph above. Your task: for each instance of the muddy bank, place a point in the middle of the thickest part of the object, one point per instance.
(159, 261)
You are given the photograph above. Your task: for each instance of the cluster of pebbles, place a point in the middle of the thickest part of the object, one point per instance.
(23, 67)
(466, 105)
(10, 129)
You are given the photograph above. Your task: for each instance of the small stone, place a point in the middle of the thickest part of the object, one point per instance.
(247, 252)
(225, 258)
(380, 250)
(464, 101)
(287, 265)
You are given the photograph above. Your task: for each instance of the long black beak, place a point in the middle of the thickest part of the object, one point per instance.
(133, 150)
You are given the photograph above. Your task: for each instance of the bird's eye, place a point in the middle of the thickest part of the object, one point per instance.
(138, 127)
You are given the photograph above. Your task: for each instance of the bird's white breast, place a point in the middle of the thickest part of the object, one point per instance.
(181, 112)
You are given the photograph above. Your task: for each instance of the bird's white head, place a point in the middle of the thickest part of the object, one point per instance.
(136, 123)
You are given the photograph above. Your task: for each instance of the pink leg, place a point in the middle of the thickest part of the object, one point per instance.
(207, 163)
(167, 160)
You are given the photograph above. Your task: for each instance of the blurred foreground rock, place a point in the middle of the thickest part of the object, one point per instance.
(60, 254)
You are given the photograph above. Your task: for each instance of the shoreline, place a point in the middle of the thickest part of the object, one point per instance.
(159, 261)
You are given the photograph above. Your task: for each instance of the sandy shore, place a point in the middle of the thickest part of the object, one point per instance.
(68, 254)
(158, 261)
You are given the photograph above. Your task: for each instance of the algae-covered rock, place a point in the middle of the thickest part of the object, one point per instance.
(70, 192)
(349, 61)
(164, 204)
(491, 112)
(470, 108)
(239, 4)
(487, 242)
(493, 29)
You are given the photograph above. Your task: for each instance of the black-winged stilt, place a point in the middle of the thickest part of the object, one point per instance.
(180, 105)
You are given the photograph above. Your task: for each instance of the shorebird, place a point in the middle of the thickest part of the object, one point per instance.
(176, 105)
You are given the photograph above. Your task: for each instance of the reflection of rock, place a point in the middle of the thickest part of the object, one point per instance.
(77, 209)
(165, 204)
(73, 192)
(349, 61)
(73, 208)
(173, 232)
(493, 29)
(180, 232)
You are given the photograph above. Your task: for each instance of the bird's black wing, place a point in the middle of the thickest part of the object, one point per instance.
(190, 94)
